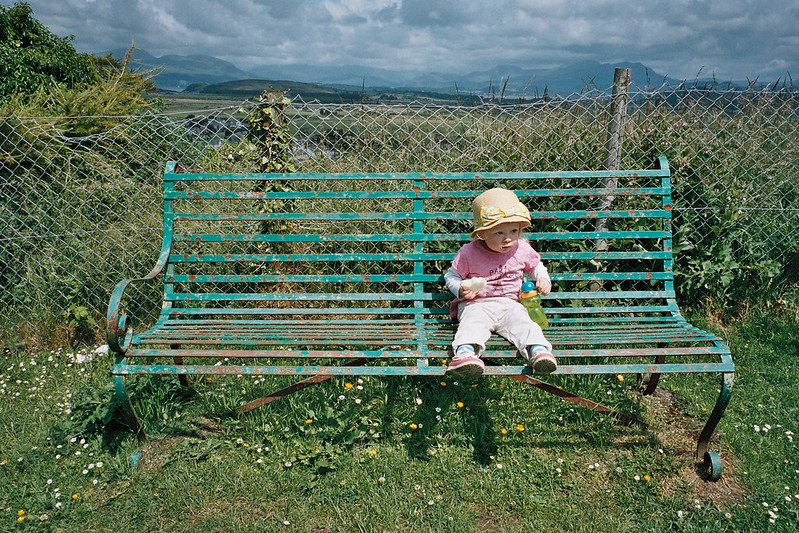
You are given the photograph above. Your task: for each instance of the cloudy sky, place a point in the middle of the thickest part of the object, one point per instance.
(732, 39)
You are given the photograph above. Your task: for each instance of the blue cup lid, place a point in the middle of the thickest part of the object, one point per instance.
(528, 286)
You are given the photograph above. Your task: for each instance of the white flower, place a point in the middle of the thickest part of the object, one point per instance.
(418, 401)
(101, 350)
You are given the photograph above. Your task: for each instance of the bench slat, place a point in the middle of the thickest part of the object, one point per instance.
(398, 278)
(407, 195)
(566, 354)
(409, 215)
(410, 256)
(413, 237)
(663, 171)
(614, 369)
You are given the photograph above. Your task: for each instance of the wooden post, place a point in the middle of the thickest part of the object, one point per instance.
(613, 146)
(618, 115)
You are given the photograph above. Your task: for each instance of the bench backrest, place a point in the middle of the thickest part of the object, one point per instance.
(367, 245)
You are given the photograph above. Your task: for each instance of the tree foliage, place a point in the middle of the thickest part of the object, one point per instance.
(31, 57)
(42, 74)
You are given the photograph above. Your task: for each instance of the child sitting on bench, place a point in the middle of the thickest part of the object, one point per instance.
(486, 278)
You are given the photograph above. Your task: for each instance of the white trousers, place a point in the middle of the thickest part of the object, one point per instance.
(478, 319)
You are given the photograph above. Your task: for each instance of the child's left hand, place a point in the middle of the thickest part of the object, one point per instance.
(543, 285)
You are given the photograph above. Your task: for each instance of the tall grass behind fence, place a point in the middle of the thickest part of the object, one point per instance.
(81, 212)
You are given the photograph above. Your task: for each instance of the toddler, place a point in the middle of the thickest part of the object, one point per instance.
(486, 277)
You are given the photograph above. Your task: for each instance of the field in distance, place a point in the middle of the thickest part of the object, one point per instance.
(200, 96)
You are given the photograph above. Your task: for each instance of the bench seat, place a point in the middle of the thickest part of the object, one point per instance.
(396, 342)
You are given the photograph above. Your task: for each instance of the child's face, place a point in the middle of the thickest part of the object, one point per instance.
(502, 237)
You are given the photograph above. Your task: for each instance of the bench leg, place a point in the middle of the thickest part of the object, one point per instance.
(127, 408)
(182, 378)
(650, 383)
(579, 400)
(711, 464)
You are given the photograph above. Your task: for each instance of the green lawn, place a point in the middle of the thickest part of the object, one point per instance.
(400, 454)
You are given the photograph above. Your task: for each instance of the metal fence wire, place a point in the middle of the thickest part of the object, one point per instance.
(81, 203)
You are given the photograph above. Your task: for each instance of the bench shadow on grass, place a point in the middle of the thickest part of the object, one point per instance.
(97, 411)
(467, 397)
(575, 426)
(469, 408)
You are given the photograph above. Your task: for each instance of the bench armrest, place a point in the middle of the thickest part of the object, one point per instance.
(118, 332)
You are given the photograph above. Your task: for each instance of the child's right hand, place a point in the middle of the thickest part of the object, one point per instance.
(467, 294)
(471, 287)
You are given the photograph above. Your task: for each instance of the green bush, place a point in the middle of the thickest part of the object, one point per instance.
(32, 58)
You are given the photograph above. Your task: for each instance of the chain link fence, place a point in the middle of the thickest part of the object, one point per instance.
(81, 203)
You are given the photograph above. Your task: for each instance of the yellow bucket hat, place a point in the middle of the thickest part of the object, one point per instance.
(497, 206)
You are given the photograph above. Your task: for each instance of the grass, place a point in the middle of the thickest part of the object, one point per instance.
(399, 454)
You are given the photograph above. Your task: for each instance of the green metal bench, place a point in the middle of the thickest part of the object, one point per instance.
(323, 275)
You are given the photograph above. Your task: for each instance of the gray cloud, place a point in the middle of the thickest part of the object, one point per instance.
(731, 38)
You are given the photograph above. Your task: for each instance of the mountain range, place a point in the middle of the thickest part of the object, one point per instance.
(179, 72)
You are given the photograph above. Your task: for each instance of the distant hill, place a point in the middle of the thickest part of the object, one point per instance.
(242, 89)
(346, 83)
(569, 79)
(180, 72)
(253, 87)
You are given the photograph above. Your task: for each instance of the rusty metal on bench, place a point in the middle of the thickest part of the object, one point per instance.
(327, 275)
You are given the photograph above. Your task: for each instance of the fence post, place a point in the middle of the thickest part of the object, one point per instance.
(618, 115)
(613, 146)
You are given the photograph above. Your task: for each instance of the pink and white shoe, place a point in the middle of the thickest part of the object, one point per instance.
(466, 367)
(543, 362)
